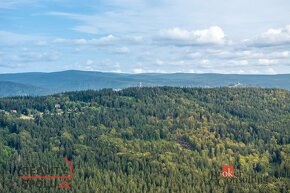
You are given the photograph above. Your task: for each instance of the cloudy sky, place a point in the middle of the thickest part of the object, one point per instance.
(136, 36)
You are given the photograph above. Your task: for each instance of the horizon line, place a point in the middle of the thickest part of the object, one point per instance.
(144, 73)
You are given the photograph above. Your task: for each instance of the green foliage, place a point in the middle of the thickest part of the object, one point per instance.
(160, 139)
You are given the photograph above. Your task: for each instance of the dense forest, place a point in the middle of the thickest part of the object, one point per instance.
(155, 140)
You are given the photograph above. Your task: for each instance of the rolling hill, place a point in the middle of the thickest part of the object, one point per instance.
(48, 83)
(151, 140)
(13, 89)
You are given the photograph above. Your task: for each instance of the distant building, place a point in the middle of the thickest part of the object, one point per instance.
(57, 106)
(117, 89)
(235, 85)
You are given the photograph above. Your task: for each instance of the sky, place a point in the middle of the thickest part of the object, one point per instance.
(145, 36)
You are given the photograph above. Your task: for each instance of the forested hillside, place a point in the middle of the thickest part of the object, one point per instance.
(17, 89)
(157, 140)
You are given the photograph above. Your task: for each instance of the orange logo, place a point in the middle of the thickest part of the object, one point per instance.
(62, 184)
(228, 171)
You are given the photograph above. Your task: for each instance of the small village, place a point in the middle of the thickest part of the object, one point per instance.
(32, 114)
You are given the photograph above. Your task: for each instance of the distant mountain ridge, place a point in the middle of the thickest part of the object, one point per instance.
(14, 89)
(39, 83)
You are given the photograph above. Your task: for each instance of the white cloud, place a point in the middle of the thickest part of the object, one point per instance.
(106, 65)
(25, 57)
(247, 71)
(103, 41)
(205, 62)
(133, 39)
(109, 40)
(194, 55)
(277, 35)
(212, 35)
(284, 54)
(267, 62)
(159, 62)
(176, 62)
(122, 50)
(270, 71)
(240, 62)
(169, 63)
(248, 54)
(33, 56)
(272, 37)
(90, 62)
(138, 70)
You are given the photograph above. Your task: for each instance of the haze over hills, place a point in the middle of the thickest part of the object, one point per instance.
(8, 88)
(37, 83)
